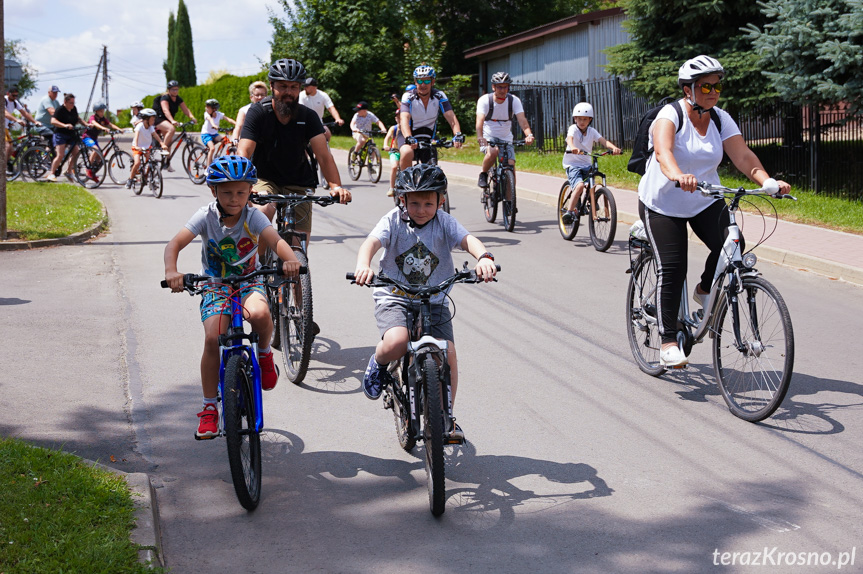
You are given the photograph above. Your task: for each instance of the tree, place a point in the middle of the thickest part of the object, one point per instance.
(15, 50)
(185, 53)
(169, 65)
(812, 50)
(666, 33)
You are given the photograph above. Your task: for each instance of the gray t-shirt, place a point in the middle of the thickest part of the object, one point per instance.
(416, 255)
(227, 251)
(42, 113)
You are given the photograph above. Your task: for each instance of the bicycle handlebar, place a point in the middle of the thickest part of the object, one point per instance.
(424, 143)
(496, 142)
(591, 154)
(190, 280)
(322, 200)
(463, 276)
(717, 191)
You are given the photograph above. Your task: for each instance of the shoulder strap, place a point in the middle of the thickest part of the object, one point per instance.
(679, 110)
(490, 105)
(509, 102)
(267, 104)
(714, 115)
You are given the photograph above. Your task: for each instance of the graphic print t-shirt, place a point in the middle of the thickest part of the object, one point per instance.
(228, 251)
(416, 255)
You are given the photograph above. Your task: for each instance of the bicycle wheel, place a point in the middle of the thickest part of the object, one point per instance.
(507, 197)
(120, 167)
(641, 317)
(154, 182)
(90, 173)
(754, 379)
(13, 166)
(355, 167)
(36, 162)
(139, 185)
(401, 412)
(489, 201)
(244, 444)
(196, 165)
(567, 230)
(433, 429)
(374, 164)
(295, 323)
(603, 226)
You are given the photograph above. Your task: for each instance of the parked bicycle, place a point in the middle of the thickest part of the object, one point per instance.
(426, 152)
(241, 404)
(31, 138)
(421, 399)
(119, 161)
(89, 169)
(150, 174)
(291, 305)
(749, 322)
(501, 185)
(368, 156)
(596, 202)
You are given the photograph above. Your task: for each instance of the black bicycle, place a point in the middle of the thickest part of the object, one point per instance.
(32, 137)
(119, 161)
(426, 152)
(368, 156)
(596, 202)
(291, 305)
(421, 397)
(89, 169)
(501, 185)
(150, 174)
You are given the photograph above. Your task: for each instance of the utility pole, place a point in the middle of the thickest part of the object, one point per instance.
(96, 77)
(3, 150)
(105, 76)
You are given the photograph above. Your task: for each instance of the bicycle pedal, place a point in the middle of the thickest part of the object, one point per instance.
(453, 440)
(205, 437)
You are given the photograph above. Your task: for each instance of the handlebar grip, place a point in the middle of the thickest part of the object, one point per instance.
(164, 284)
(497, 267)
(350, 276)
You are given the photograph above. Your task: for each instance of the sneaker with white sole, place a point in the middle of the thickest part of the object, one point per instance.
(50, 177)
(672, 357)
(208, 422)
(701, 298)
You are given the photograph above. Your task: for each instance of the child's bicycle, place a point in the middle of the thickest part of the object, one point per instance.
(241, 417)
(501, 186)
(753, 341)
(291, 305)
(597, 202)
(150, 173)
(368, 156)
(421, 399)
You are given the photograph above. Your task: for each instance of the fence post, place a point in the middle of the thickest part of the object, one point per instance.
(618, 99)
(814, 144)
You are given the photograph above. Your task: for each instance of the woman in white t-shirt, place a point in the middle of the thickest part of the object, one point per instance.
(685, 154)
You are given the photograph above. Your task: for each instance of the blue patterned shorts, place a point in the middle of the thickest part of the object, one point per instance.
(215, 299)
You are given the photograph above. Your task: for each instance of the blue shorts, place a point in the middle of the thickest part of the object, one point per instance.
(207, 138)
(576, 174)
(215, 299)
(63, 139)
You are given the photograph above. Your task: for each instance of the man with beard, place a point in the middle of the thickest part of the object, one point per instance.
(275, 137)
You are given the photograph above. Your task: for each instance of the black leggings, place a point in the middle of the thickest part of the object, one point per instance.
(668, 236)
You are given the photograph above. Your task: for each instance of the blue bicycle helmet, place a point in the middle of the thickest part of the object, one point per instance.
(410, 87)
(231, 168)
(424, 71)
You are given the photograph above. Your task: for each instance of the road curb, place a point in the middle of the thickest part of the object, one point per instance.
(147, 533)
(79, 237)
(799, 261)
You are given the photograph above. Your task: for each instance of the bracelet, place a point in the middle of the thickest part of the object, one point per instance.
(486, 255)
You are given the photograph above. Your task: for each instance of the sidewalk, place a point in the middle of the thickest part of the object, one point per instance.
(826, 252)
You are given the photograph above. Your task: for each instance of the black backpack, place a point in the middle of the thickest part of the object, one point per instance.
(491, 108)
(641, 151)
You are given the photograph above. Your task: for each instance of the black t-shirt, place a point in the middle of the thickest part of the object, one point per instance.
(280, 149)
(173, 107)
(65, 116)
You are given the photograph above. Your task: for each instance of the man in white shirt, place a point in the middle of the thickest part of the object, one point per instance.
(318, 100)
(494, 113)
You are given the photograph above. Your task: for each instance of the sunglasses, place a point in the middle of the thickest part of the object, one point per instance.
(705, 88)
(426, 81)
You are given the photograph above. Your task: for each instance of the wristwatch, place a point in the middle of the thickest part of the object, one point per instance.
(487, 255)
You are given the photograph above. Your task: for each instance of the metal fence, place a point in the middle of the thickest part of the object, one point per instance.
(814, 148)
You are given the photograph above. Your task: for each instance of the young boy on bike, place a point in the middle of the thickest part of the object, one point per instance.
(362, 122)
(230, 231)
(580, 137)
(145, 131)
(417, 239)
(210, 131)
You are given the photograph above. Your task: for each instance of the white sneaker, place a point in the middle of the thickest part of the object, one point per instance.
(50, 177)
(672, 357)
(169, 169)
(702, 298)
(391, 192)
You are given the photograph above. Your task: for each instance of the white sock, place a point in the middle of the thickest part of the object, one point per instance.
(212, 401)
(262, 351)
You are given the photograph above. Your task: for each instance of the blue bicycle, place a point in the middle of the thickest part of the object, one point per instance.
(242, 409)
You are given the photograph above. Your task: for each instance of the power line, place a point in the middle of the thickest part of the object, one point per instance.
(67, 70)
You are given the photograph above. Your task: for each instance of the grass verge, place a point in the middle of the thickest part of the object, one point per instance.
(49, 210)
(58, 514)
(810, 208)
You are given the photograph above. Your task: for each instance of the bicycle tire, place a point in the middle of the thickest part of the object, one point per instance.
(642, 323)
(489, 201)
(184, 155)
(509, 205)
(602, 227)
(402, 418)
(752, 382)
(433, 429)
(37, 162)
(120, 166)
(267, 259)
(295, 323)
(139, 185)
(374, 164)
(84, 167)
(14, 171)
(155, 183)
(244, 444)
(196, 166)
(355, 168)
(567, 230)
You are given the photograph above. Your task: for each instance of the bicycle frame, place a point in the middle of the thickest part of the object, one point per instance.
(230, 344)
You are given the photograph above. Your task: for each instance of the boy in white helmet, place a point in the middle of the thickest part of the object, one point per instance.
(581, 138)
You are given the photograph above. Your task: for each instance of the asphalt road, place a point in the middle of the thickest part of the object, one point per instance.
(576, 462)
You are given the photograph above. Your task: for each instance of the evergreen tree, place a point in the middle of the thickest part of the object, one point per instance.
(812, 50)
(184, 52)
(170, 63)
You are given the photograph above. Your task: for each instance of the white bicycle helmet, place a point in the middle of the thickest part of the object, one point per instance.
(501, 78)
(697, 67)
(148, 113)
(582, 109)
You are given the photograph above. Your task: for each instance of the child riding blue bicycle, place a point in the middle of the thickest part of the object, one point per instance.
(230, 231)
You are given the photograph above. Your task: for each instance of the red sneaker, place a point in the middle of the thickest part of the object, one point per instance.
(269, 372)
(92, 176)
(208, 422)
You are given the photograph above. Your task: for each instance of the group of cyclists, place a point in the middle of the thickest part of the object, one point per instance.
(278, 136)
